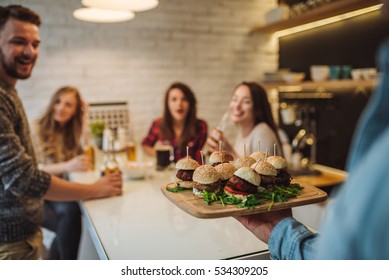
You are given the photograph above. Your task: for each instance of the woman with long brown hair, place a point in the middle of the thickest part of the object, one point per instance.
(250, 111)
(57, 137)
(179, 124)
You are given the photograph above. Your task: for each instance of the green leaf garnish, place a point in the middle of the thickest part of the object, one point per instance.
(176, 189)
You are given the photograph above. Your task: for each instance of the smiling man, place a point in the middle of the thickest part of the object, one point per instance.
(22, 185)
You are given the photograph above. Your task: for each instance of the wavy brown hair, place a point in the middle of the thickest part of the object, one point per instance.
(50, 131)
(190, 120)
(261, 109)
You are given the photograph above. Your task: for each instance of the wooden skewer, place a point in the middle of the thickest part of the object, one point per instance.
(244, 150)
(202, 157)
(266, 155)
(275, 149)
(257, 163)
(220, 145)
(187, 153)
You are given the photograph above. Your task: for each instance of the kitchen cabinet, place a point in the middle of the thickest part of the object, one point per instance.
(325, 11)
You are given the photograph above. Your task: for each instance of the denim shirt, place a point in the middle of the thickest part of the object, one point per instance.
(356, 225)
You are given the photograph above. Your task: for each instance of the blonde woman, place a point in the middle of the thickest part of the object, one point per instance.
(58, 149)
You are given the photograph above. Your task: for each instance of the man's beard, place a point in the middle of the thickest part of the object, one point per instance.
(10, 69)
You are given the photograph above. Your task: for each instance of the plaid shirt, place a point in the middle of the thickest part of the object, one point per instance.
(195, 144)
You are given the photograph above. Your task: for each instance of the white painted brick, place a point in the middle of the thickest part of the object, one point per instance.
(203, 43)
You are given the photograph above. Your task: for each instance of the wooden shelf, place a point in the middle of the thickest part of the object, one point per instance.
(325, 85)
(327, 10)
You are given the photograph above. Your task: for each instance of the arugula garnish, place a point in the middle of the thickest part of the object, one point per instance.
(209, 197)
(176, 189)
(278, 194)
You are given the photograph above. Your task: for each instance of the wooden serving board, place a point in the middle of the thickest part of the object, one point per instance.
(196, 206)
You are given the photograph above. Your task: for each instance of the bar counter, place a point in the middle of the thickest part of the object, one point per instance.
(143, 224)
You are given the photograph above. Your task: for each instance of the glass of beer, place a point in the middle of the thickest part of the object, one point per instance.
(164, 154)
(131, 151)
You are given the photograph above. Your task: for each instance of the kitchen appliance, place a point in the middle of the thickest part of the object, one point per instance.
(324, 124)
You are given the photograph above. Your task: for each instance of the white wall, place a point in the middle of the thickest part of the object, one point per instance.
(204, 43)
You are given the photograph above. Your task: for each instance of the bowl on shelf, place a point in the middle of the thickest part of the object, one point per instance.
(137, 169)
(320, 73)
(369, 73)
(293, 77)
(356, 74)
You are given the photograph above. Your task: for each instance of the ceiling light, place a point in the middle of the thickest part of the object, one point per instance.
(132, 5)
(101, 15)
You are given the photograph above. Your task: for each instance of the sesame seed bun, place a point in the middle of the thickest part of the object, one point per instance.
(265, 168)
(185, 184)
(205, 174)
(277, 161)
(225, 170)
(248, 174)
(244, 161)
(258, 156)
(220, 156)
(187, 164)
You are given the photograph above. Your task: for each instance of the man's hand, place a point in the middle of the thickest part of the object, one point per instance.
(109, 185)
(262, 224)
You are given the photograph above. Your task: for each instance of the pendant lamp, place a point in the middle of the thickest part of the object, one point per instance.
(132, 5)
(92, 14)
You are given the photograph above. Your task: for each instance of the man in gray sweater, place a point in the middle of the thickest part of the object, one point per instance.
(22, 185)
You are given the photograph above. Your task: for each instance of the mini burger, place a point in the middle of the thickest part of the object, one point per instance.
(267, 172)
(244, 162)
(226, 171)
(244, 183)
(218, 157)
(258, 156)
(206, 178)
(283, 177)
(186, 167)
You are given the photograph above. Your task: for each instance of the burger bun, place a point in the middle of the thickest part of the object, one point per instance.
(265, 168)
(258, 156)
(248, 174)
(225, 170)
(187, 164)
(244, 161)
(277, 161)
(220, 156)
(185, 184)
(205, 174)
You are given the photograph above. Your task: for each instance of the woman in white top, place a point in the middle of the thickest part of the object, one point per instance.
(251, 113)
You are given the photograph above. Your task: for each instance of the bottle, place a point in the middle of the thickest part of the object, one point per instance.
(131, 148)
(111, 165)
(89, 152)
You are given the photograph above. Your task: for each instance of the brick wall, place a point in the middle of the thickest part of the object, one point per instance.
(204, 43)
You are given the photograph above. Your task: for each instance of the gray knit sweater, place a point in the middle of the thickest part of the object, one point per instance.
(22, 184)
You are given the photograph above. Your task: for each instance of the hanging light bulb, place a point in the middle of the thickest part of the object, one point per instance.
(102, 15)
(132, 5)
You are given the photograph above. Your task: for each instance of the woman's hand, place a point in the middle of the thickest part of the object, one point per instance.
(78, 163)
(213, 142)
(109, 185)
(261, 225)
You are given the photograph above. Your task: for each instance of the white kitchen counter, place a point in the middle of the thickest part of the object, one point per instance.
(143, 224)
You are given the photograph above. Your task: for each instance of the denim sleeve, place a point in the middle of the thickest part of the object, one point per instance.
(291, 240)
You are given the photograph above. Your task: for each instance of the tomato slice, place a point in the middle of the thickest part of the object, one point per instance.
(232, 191)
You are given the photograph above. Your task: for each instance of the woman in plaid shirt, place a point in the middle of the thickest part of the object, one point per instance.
(179, 125)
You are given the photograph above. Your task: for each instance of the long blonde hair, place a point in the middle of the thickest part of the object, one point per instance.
(61, 143)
